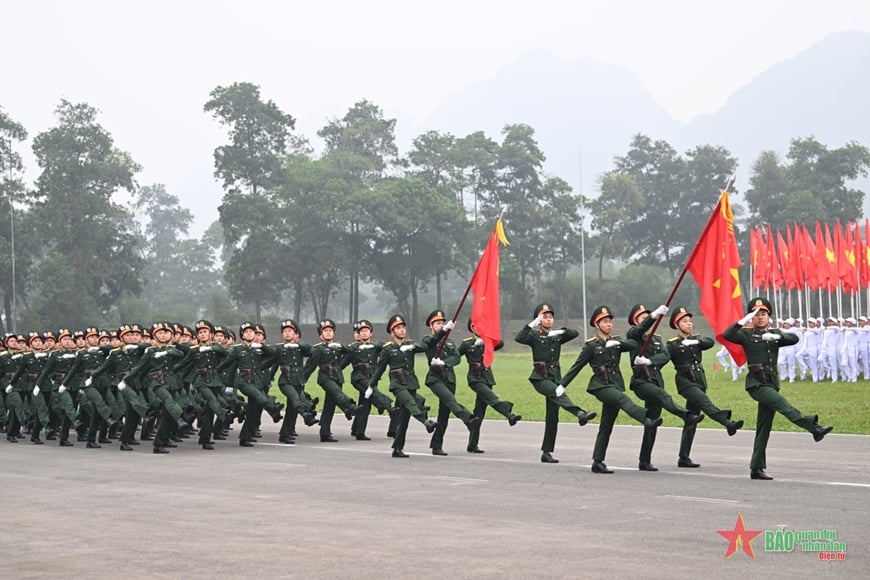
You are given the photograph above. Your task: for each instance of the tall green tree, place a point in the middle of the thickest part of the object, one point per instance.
(90, 250)
(251, 168)
(11, 190)
(613, 213)
(813, 183)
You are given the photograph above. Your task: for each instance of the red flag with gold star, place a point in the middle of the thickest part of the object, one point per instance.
(485, 310)
(714, 266)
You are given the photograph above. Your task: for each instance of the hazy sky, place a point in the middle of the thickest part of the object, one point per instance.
(149, 65)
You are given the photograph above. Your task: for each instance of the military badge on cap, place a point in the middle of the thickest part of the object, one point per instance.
(599, 314)
(364, 324)
(435, 316)
(394, 321)
(541, 309)
(325, 323)
(677, 315)
(635, 313)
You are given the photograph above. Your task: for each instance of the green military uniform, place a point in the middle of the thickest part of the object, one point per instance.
(362, 358)
(34, 363)
(88, 360)
(602, 354)
(241, 360)
(326, 358)
(761, 345)
(64, 402)
(686, 356)
(206, 383)
(398, 357)
(12, 364)
(547, 375)
(441, 379)
(481, 380)
(648, 383)
(288, 360)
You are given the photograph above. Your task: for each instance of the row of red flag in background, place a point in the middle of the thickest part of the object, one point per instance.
(797, 260)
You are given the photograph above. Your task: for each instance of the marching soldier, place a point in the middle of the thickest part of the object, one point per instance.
(546, 344)
(761, 344)
(647, 381)
(205, 356)
(11, 365)
(326, 358)
(288, 360)
(685, 350)
(362, 357)
(602, 353)
(35, 362)
(63, 400)
(87, 361)
(481, 380)
(441, 379)
(397, 355)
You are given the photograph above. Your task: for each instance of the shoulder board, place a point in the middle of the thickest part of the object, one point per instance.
(389, 343)
(673, 339)
(117, 349)
(469, 339)
(593, 339)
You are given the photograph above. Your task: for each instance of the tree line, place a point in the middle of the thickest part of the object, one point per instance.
(360, 227)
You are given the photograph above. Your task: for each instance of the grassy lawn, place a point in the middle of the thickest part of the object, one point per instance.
(844, 405)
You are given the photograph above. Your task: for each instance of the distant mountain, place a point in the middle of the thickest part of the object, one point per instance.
(586, 103)
(823, 91)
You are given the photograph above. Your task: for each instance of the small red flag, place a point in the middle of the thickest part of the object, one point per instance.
(485, 310)
(714, 266)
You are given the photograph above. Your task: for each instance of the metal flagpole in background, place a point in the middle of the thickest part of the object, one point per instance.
(582, 246)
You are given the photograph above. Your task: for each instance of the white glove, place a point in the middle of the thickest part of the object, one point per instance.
(449, 325)
(88, 381)
(36, 391)
(228, 390)
(611, 343)
(204, 348)
(8, 389)
(535, 323)
(160, 354)
(771, 336)
(93, 349)
(642, 361)
(68, 355)
(366, 346)
(122, 385)
(556, 332)
(131, 347)
(745, 320)
(40, 355)
(291, 345)
(334, 345)
(560, 390)
(406, 347)
(17, 356)
(690, 341)
(60, 389)
(437, 362)
(368, 393)
(659, 312)
(256, 345)
(478, 342)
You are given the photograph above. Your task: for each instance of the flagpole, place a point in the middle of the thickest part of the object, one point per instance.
(685, 269)
(467, 290)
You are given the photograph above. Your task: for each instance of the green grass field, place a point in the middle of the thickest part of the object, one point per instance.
(844, 405)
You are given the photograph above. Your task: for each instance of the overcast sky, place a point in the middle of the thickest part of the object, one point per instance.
(149, 65)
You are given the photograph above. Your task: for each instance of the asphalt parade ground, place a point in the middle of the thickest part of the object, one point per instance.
(349, 510)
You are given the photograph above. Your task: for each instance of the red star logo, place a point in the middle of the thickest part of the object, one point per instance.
(738, 537)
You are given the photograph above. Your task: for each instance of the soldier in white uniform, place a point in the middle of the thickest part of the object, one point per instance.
(864, 346)
(727, 362)
(808, 355)
(830, 352)
(849, 351)
(787, 360)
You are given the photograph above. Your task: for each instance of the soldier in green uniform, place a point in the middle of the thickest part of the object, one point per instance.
(288, 360)
(155, 368)
(685, 350)
(441, 379)
(88, 360)
(397, 355)
(63, 401)
(35, 362)
(326, 357)
(361, 358)
(546, 344)
(602, 353)
(647, 381)
(761, 343)
(11, 363)
(481, 381)
(241, 360)
(205, 356)
(124, 358)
